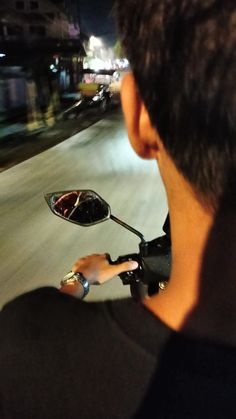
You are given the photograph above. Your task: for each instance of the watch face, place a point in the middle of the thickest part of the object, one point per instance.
(76, 278)
(69, 275)
(68, 279)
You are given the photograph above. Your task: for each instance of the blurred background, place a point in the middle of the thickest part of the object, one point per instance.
(44, 47)
(61, 127)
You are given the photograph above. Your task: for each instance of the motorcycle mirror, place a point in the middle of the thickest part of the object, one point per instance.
(82, 207)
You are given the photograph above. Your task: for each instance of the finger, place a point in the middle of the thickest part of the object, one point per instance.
(130, 265)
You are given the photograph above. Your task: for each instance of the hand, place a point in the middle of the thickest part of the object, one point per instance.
(97, 270)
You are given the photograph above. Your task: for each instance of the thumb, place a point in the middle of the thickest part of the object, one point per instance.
(130, 265)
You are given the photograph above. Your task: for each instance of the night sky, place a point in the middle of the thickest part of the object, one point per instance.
(96, 19)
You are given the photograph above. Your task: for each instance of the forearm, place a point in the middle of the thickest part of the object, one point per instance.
(76, 290)
(93, 269)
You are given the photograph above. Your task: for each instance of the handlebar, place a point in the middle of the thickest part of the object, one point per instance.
(154, 269)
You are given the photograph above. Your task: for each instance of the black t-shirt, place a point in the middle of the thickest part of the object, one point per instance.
(62, 358)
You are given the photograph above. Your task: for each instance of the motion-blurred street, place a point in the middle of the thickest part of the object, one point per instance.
(18, 144)
(38, 248)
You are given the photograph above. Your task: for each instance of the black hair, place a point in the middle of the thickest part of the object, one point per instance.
(183, 56)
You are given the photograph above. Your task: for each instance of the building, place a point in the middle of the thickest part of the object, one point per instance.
(37, 41)
(32, 19)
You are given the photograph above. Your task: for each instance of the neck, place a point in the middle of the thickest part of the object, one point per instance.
(190, 229)
(201, 294)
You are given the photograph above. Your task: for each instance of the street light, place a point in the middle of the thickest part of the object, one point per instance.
(95, 42)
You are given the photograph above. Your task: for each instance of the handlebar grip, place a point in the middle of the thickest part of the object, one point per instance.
(109, 259)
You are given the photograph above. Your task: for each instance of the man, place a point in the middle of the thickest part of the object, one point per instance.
(174, 354)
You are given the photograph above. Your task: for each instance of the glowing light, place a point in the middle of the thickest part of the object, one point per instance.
(95, 42)
(96, 64)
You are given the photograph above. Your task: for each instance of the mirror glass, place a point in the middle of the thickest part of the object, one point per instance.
(83, 207)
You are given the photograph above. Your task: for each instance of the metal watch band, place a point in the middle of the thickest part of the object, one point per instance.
(73, 277)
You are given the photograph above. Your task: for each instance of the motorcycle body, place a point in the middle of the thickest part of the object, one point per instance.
(98, 89)
(87, 208)
(100, 99)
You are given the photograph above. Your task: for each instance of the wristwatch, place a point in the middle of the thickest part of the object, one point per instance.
(75, 277)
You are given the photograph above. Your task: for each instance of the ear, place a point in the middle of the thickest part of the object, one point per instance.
(143, 137)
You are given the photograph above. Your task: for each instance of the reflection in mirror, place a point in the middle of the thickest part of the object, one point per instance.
(83, 207)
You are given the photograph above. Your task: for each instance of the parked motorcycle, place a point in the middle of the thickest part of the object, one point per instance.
(86, 208)
(96, 90)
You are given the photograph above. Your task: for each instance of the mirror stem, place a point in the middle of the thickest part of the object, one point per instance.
(112, 217)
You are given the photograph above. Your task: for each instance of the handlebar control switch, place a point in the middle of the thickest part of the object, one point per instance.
(130, 276)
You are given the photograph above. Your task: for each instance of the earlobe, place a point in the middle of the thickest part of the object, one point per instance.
(143, 137)
(148, 135)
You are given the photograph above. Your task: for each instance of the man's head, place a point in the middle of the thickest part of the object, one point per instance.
(183, 57)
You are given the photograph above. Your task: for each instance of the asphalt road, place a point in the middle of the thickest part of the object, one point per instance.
(22, 145)
(38, 248)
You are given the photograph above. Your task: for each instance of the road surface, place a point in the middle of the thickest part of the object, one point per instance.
(38, 248)
(22, 145)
